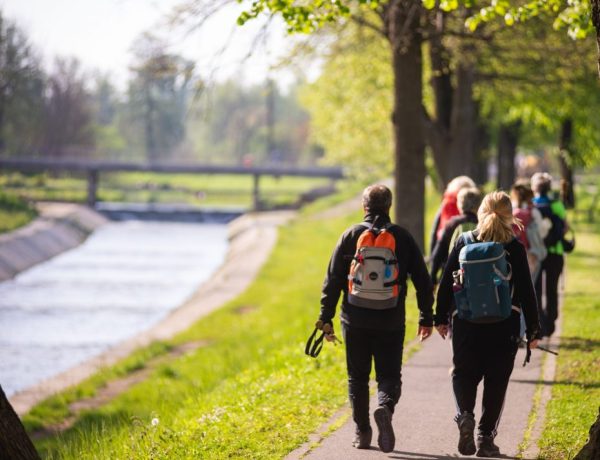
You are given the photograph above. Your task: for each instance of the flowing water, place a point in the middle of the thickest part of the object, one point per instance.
(123, 279)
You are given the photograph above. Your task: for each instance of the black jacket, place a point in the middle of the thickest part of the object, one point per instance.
(439, 255)
(411, 263)
(521, 284)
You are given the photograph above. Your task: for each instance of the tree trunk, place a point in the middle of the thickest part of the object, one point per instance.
(402, 19)
(566, 164)
(14, 442)
(508, 138)
(591, 450)
(464, 122)
(438, 132)
(596, 22)
(482, 148)
(2, 105)
(453, 134)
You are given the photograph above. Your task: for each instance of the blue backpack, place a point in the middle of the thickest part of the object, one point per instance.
(482, 285)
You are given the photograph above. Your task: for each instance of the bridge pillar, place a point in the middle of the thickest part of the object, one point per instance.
(256, 205)
(92, 187)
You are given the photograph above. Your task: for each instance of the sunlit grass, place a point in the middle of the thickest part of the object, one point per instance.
(14, 212)
(576, 390)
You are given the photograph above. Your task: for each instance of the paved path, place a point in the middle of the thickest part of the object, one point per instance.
(423, 419)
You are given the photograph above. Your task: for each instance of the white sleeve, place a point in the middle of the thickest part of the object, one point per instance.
(543, 225)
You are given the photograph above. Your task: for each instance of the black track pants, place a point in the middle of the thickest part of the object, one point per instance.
(385, 348)
(483, 351)
(552, 267)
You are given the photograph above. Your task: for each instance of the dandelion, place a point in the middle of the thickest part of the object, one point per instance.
(154, 421)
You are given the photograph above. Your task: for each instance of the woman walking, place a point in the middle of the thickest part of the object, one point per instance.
(486, 348)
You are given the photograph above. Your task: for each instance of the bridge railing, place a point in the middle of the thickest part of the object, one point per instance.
(93, 168)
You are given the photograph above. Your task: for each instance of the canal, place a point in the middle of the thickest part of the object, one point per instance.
(122, 280)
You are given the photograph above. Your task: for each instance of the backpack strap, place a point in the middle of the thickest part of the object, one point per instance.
(314, 344)
(469, 237)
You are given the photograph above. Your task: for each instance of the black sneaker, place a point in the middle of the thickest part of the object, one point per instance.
(386, 438)
(362, 440)
(466, 439)
(486, 447)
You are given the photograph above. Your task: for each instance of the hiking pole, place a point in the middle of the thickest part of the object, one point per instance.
(528, 353)
(547, 350)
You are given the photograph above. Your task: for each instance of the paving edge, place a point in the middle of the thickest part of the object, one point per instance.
(548, 373)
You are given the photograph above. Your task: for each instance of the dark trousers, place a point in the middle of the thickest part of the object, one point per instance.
(385, 348)
(552, 267)
(483, 351)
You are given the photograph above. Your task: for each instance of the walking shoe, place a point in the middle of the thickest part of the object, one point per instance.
(466, 440)
(386, 438)
(486, 447)
(362, 440)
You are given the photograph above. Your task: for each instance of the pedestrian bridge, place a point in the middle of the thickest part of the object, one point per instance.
(93, 170)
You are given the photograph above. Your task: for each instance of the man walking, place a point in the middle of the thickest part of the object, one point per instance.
(370, 266)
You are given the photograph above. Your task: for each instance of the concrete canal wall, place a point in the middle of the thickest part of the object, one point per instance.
(58, 228)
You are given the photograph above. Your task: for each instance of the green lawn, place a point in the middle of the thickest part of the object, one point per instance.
(14, 212)
(576, 390)
(193, 189)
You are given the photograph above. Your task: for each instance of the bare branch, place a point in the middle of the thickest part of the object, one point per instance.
(360, 20)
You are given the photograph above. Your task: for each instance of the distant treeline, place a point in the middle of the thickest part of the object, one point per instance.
(166, 112)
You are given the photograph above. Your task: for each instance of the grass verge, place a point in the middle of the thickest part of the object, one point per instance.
(14, 212)
(576, 389)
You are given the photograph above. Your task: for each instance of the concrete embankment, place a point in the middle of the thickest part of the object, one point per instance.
(251, 239)
(58, 228)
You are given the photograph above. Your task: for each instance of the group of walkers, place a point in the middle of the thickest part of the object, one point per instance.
(487, 249)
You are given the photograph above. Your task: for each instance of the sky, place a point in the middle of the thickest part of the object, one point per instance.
(100, 33)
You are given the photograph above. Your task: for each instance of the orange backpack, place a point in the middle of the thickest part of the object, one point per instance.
(373, 279)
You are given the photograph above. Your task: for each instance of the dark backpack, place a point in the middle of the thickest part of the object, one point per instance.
(557, 230)
(482, 285)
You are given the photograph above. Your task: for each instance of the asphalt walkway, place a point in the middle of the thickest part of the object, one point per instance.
(423, 421)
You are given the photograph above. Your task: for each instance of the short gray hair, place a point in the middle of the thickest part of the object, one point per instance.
(468, 199)
(541, 183)
(377, 198)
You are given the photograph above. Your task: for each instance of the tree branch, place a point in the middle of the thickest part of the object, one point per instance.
(361, 21)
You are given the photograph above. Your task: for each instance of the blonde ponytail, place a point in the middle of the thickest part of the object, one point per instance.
(495, 218)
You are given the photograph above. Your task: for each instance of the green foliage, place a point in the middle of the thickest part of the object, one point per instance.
(159, 95)
(350, 104)
(306, 17)
(258, 124)
(550, 80)
(575, 15)
(21, 91)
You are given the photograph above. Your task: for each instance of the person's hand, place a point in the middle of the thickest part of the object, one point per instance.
(533, 344)
(442, 330)
(329, 334)
(424, 332)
